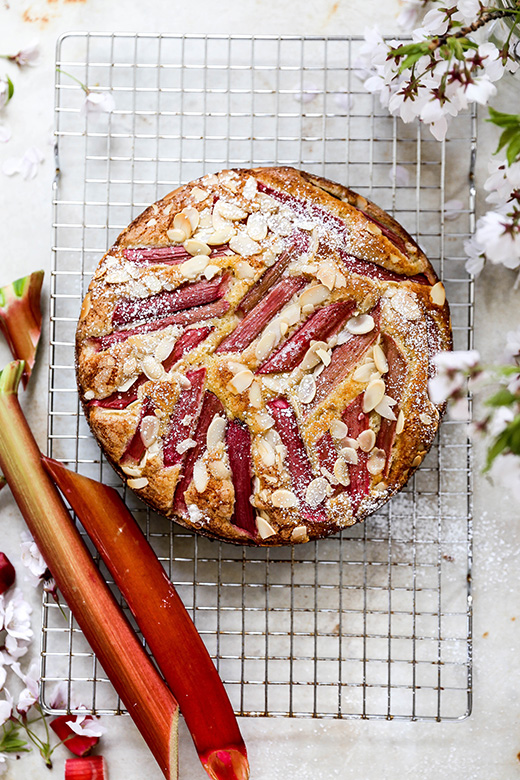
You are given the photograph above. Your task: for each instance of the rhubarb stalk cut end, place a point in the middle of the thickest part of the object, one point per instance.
(230, 764)
(91, 768)
(21, 318)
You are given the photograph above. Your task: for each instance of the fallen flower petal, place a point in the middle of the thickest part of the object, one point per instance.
(27, 166)
(98, 102)
(27, 56)
(5, 134)
(84, 725)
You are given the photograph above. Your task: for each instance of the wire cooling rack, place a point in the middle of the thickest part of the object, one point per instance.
(375, 622)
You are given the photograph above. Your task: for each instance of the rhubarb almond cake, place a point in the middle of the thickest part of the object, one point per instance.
(253, 356)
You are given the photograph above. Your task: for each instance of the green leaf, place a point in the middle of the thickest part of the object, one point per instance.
(508, 134)
(513, 151)
(409, 61)
(409, 48)
(499, 445)
(502, 397)
(508, 440)
(501, 119)
(10, 89)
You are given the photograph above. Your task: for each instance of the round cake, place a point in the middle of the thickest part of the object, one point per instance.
(253, 356)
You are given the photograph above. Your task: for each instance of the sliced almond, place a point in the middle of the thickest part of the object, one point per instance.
(376, 462)
(311, 359)
(149, 429)
(264, 421)
(317, 491)
(181, 222)
(195, 247)
(324, 356)
(215, 432)
(341, 280)
(241, 381)
(363, 374)
(219, 469)
(417, 461)
(374, 394)
(192, 268)
(405, 304)
(250, 188)
(138, 483)
(373, 228)
(152, 368)
(438, 294)
(176, 235)
(284, 499)
(425, 418)
(220, 236)
(366, 440)
(193, 216)
(184, 446)
(291, 314)
(341, 472)
(242, 245)
(255, 395)
(327, 275)
(125, 385)
(314, 295)
(230, 211)
(307, 389)
(117, 276)
(198, 194)
(266, 452)
(400, 423)
(380, 360)
(350, 455)
(362, 323)
(348, 442)
(256, 226)
(244, 271)
(338, 429)
(132, 471)
(265, 529)
(384, 408)
(89, 395)
(200, 476)
(164, 349)
(210, 271)
(299, 534)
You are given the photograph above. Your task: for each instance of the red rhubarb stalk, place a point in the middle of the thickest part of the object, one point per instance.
(91, 768)
(357, 421)
(326, 452)
(135, 679)
(210, 407)
(79, 744)
(320, 326)
(298, 462)
(188, 341)
(395, 381)
(21, 318)
(238, 441)
(256, 320)
(168, 302)
(184, 417)
(136, 448)
(7, 573)
(273, 274)
(344, 357)
(188, 317)
(166, 255)
(160, 614)
(119, 400)
(366, 268)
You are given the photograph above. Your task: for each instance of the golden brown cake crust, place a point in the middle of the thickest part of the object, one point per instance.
(253, 355)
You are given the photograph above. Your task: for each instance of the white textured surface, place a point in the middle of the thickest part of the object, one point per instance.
(486, 745)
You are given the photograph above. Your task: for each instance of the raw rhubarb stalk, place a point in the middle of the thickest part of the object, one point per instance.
(7, 573)
(91, 768)
(168, 302)
(165, 255)
(255, 321)
(119, 400)
(320, 326)
(210, 407)
(395, 381)
(344, 357)
(79, 744)
(188, 317)
(188, 341)
(160, 614)
(136, 448)
(299, 465)
(238, 441)
(135, 679)
(183, 417)
(357, 421)
(273, 275)
(21, 318)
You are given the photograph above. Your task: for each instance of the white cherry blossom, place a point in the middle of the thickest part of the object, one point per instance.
(31, 692)
(27, 166)
(15, 620)
(6, 707)
(27, 56)
(84, 727)
(98, 102)
(500, 240)
(32, 558)
(450, 377)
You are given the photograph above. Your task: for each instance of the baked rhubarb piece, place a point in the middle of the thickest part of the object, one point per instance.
(253, 355)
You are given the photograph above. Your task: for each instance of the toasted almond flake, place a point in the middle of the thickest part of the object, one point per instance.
(192, 268)
(198, 194)
(376, 462)
(317, 491)
(152, 368)
(307, 389)
(373, 228)
(220, 236)
(264, 421)
(122, 388)
(117, 276)
(307, 309)
(327, 275)
(362, 323)
(266, 452)
(256, 226)
(405, 304)
(272, 383)
(250, 188)
(255, 395)
(400, 423)
(138, 483)
(181, 222)
(265, 529)
(265, 345)
(200, 476)
(184, 382)
(215, 432)
(341, 280)
(219, 469)
(380, 487)
(100, 271)
(235, 367)
(324, 356)
(384, 408)
(184, 446)
(291, 314)
(380, 360)
(151, 222)
(89, 395)
(366, 440)
(341, 472)
(176, 235)
(350, 455)
(425, 418)
(363, 374)
(244, 271)
(230, 211)
(242, 245)
(210, 271)
(193, 216)
(164, 349)
(438, 294)
(338, 429)
(149, 429)
(241, 381)
(311, 359)
(348, 442)
(168, 209)
(195, 247)
(373, 395)
(284, 499)
(329, 476)
(314, 295)
(299, 534)
(132, 471)
(361, 202)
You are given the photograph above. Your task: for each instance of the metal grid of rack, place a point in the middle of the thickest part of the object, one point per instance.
(375, 622)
